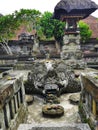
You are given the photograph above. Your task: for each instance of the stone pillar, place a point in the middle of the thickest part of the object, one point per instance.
(57, 44)
(23, 92)
(6, 115)
(94, 107)
(19, 98)
(13, 107)
(71, 51)
(11, 110)
(16, 104)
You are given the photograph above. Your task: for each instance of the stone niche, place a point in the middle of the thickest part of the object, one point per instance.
(13, 109)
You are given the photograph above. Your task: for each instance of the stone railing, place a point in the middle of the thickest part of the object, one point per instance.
(12, 101)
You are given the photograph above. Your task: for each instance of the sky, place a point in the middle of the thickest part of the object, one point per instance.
(9, 6)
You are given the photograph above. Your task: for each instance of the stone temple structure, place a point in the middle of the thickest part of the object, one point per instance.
(47, 74)
(70, 12)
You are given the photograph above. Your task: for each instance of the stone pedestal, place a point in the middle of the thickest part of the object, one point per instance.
(71, 51)
(71, 47)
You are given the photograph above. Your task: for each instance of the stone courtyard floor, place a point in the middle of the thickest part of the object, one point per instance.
(70, 111)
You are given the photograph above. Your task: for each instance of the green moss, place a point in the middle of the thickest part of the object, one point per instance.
(83, 116)
(90, 124)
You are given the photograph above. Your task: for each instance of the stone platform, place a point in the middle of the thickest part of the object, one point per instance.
(62, 126)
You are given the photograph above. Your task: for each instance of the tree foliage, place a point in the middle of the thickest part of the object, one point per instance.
(10, 23)
(55, 28)
(51, 27)
(58, 31)
(46, 24)
(28, 17)
(85, 31)
(7, 26)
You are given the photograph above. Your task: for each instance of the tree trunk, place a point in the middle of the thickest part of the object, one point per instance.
(57, 44)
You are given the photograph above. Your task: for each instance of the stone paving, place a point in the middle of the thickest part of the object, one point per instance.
(70, 111)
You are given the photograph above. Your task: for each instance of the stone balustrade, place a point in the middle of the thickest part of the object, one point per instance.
(12, 101)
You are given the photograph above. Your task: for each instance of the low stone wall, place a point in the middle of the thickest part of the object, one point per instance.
(23, 66)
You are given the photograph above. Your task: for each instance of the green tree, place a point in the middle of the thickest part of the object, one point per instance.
(30, 18)
(52, 27)
(46, 24)
(7, 26)
(85, 31)
(10, 23)
(58, 31)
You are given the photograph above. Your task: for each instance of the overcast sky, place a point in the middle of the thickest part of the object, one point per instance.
(9, 6)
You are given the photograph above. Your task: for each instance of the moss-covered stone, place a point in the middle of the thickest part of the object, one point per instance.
(53, 110)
